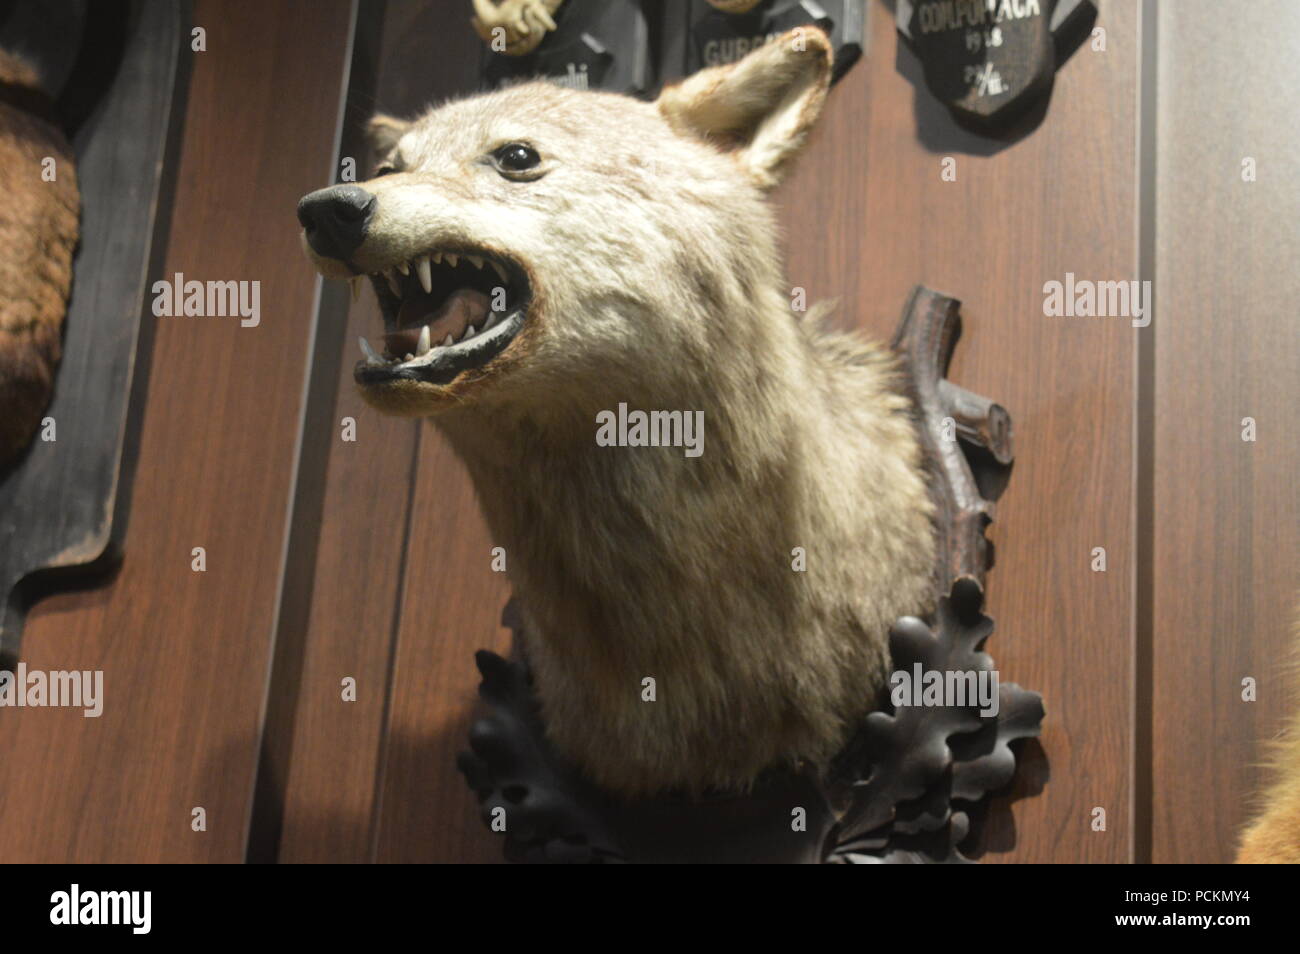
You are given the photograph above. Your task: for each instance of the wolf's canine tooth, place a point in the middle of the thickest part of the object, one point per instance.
(425, 341)
(426, 276)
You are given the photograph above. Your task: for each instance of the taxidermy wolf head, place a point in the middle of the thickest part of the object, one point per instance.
(548, 260)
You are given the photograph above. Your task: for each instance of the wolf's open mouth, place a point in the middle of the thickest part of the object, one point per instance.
(444, 312)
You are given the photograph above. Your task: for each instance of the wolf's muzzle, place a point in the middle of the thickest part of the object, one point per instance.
(336, 219)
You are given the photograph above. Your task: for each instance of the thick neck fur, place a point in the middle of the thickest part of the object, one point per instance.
(635, 562)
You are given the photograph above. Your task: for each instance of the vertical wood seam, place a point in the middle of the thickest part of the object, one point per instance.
(395, 629)
(271, 850)
(1142, 789)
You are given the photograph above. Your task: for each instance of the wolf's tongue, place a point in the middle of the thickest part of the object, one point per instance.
(462, 308)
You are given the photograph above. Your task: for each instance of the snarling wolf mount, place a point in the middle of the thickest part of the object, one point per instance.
(903, 789)
(542, 255)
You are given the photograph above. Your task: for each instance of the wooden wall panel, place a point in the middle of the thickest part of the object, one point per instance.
(451, 607)
(391, 582)
(185, 654)
(386, 546)
(337, 745)
(1227, 346)
(867, 216)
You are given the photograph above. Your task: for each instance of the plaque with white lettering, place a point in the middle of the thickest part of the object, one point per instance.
(989, 61)
(724, 32)
(596, 44)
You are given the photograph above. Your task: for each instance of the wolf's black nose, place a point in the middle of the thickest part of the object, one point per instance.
(336, 219)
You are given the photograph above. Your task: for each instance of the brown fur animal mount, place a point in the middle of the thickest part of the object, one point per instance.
(711, 603)
(38, 234)
(1274, 837)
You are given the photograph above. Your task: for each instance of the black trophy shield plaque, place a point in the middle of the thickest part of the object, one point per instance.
(988, 61)
(724, 35)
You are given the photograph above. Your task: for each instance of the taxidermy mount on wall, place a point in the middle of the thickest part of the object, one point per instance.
(523, 24)
(1273, 836)
(38, 234)
(547, 257)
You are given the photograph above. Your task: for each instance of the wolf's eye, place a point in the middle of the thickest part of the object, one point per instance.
(516, 157)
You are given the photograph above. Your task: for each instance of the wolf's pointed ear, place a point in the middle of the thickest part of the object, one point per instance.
(383, 131)
(760, 107)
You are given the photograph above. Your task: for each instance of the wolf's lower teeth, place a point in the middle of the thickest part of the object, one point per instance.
(403, 344)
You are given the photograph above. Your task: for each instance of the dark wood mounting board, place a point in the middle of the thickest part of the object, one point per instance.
(901, 791)
(57, 503)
